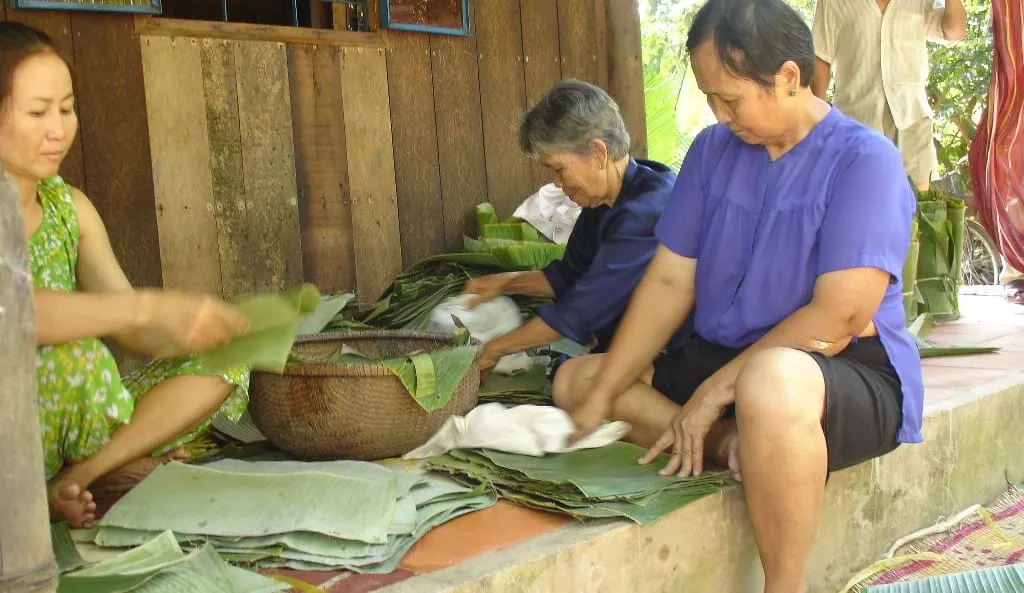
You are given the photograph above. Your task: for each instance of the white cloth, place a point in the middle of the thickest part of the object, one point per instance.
(485, 322)
(551, 212)
(526, 430)
(879, 58)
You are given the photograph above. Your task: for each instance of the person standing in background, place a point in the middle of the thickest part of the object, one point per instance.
(878, 52)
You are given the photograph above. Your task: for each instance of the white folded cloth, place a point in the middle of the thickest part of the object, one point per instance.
(526, 430)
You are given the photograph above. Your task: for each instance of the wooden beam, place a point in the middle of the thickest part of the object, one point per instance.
(147, 25)
(626, 70)
(26, 557)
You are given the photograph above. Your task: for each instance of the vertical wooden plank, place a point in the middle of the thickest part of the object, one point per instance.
(541, 59)
(111, 95)
(371, 169)
(57, 25)
(328, 254)
(601, 39)
(577, 35)
(626, 71)
(460, 142)
(180, 152)
(235, 239)
(502, 101)
(417, 172)
(268, 165)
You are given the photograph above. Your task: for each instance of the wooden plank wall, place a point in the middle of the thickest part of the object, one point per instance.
(257, 165)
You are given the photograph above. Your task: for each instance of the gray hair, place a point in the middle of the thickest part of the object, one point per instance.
(569, 117)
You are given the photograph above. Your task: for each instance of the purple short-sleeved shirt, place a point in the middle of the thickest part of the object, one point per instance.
(763, 231)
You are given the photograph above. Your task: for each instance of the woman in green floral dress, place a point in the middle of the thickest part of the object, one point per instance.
(97, 427)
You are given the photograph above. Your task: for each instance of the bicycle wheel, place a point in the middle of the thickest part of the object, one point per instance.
(981, 260)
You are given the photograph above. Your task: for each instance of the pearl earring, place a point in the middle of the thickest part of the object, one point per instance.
(792, 92)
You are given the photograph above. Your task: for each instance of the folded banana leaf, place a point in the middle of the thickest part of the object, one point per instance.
(604, 482)
(160, 566)
(273, 323)
(420, 502)
(430, 377)
(940, 236)
(244, 431)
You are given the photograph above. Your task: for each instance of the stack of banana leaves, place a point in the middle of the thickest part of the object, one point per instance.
(528, 387)
(333, 515)
(502, 246)
(591, 483)
(157, 566)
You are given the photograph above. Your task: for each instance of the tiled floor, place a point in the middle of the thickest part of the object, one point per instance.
(986, 320)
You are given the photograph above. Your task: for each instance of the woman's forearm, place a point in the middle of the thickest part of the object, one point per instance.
(63, 317)
(531, 335)
(812, 328)
(533, 284)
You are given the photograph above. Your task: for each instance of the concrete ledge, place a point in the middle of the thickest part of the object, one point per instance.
(973, 446)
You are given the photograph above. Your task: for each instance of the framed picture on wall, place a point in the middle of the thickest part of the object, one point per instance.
(136, 6)
(446, 17)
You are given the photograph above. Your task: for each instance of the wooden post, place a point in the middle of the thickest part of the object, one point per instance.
(26, 556)
(626, 69)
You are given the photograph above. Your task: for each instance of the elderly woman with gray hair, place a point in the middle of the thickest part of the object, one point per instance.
(576, 132)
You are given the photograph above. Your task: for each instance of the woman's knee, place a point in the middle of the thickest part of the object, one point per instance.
(780, 385)
(573, 378)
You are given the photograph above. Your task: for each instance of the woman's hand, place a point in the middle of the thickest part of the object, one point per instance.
(189, 323)
(588, 416)
(487, 360)
(687, 433)
(486, 288)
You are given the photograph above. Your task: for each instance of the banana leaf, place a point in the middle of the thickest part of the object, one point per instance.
(923, 325)
(273, 322)
(65, 552)
(605, 482)
(160, 566)
(430, 377)
(329, 308)
(243, 431)
(197, 500)
(941, 234)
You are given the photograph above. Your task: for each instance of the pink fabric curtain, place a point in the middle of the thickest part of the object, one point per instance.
(996, 157)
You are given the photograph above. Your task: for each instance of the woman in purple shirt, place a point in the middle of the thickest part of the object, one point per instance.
(785, 236)
(576, 132)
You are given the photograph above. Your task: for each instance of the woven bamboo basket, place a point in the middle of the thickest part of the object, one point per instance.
(320, 410)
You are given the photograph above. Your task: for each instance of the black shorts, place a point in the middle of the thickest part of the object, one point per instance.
(863, 396)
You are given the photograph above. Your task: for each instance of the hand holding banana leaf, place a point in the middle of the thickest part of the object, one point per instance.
(486, 288)
(688, 432)
(185, 323)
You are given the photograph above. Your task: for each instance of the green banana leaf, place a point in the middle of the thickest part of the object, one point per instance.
(430, 377)
(605, 482)
(941, 233)
(923, 325)
(65, 552)
(160, 566)
(198, 500)
(330, 307)
(529, 387)
(273, 322)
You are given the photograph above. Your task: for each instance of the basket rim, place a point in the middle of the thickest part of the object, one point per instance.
(307, 369)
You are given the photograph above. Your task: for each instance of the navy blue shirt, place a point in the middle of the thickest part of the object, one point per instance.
(606, 257)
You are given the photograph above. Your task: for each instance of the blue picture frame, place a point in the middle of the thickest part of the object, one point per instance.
(387, 23)
(149, 7)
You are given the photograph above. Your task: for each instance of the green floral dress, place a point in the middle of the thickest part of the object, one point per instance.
(82, 397)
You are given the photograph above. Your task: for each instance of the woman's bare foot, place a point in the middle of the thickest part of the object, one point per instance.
(126, 477)
(70, 502)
